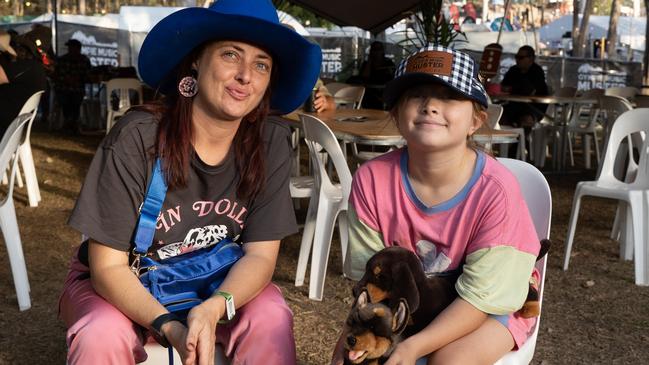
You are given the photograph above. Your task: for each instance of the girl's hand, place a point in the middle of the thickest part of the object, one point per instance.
(201, 335)
(402, 355)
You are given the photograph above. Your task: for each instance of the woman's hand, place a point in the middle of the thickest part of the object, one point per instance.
(201, 333)
(323, 102)
(402, 355)
(176, 334)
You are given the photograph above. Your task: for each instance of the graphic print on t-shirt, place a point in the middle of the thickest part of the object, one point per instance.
(184, 228)
(433, 261)
(196, 239)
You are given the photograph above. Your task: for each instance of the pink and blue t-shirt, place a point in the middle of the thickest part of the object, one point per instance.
(485, 230)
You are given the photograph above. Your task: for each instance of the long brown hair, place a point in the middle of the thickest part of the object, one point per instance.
(175, 135)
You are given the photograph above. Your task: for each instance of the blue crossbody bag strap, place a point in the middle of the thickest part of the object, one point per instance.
(150, 209)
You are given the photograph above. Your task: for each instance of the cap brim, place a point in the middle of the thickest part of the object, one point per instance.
(296, 60)
(395, 88)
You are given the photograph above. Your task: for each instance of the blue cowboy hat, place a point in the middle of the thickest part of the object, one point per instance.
(296, 60)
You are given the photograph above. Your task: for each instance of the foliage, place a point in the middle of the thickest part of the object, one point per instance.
(430, 26)
(304, 16)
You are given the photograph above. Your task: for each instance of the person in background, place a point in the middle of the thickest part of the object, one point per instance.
(374, 74)
(525, 78)
(323, 100)
(21, 75)
(70, 77)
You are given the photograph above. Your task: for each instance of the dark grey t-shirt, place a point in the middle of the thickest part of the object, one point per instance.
(199, 215)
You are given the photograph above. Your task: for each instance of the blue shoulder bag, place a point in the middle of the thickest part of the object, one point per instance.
(182, 282)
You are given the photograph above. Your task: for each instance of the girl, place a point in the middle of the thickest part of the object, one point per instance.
(221, 69)
(453, 205)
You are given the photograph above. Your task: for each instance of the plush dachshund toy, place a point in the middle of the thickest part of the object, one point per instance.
(373, 330)
(395, 273)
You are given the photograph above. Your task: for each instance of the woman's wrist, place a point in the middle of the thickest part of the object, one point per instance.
(216, 305)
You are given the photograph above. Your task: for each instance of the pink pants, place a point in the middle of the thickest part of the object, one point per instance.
(98, 333)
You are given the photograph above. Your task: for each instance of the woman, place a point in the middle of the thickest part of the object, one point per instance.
(221, 69)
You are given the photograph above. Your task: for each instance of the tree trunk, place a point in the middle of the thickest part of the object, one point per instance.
(575, 24)
(645, 59)
(18, 8)
(82, 7)
(611, 37)
(580, 47)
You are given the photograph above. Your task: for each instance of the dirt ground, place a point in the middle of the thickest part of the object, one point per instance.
(592, 314)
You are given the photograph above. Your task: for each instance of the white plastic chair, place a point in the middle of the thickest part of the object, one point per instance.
(333, 87)
(633, 193)
(159, 355)
(583, 121)
(536, 193)
(494, 113)
(24, 154)
(627, 92)
(8, 223)
(545, 132)
(349, 96)
(538, 197)
(611, 107)
(331, 203)
(122, 87)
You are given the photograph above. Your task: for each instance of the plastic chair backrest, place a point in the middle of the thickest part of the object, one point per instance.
(589, 111)
(333, 87)
(537, 195)
(317, 135)
(632, 121)
(122, 87)
(352, 93)
(9, 145)
(627, 92)
(31, 107)
(592, 93)
(494, 113)
(642, 101)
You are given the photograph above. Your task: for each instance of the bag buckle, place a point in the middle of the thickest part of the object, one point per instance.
(135, 265)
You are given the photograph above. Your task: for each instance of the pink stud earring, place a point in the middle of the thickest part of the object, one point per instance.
(188, 85)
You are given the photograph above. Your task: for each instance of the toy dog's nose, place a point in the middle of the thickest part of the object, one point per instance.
(351, 340)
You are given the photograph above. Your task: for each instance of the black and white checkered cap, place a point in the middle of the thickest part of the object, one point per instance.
(454, 68)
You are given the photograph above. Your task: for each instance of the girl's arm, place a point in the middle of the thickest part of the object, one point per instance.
(247, 278)
(456, 321)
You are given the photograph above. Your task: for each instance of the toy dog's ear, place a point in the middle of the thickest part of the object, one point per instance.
(362, 299)
(400, 318)
(545, 247)
(404, 286)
